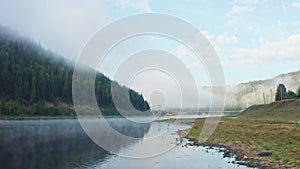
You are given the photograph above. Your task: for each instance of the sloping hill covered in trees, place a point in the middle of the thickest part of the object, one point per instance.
(262, 91)
(37, 81)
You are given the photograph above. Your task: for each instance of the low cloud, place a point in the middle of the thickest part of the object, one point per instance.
(246, 1)
(233, 22)
(140, 5)
(296, 4)
(221, 39)
(237, 9)
(63, 26)
(226, 39)
(288, 49)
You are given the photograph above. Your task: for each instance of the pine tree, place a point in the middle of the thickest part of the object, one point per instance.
(280, 92)
(33, 75)
(33, 90)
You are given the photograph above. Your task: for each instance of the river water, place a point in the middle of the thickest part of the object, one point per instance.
(63, 144)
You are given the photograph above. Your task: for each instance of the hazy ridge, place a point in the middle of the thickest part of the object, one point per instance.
(261, 91)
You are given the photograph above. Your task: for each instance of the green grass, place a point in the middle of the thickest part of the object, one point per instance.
(261, 128)
(281, 111)
(108, 113)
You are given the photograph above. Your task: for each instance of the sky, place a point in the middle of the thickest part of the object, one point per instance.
(254, 39)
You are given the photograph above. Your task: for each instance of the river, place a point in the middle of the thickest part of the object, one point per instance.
(63, 144)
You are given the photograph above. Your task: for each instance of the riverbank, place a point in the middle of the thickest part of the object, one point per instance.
(265, 128)
(44, 111)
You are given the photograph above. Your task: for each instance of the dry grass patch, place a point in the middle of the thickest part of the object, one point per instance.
(253, 136)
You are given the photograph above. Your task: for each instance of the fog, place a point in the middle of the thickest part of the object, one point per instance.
(63, 26)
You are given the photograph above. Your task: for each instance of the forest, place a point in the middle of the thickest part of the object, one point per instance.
(35, 80)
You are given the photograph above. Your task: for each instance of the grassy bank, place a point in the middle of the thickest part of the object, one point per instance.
(44, 110)
(270, 127)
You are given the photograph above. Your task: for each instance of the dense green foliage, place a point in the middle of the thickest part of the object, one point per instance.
(37, 81)
(283, 94)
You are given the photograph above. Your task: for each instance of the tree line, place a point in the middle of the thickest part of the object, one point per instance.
(37, 81)
(283, 94)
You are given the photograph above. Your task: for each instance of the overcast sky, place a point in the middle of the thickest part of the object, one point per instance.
(254, 39)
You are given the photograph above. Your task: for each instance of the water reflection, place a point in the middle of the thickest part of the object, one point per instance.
(49, 144)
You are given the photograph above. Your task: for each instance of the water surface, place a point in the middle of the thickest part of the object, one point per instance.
(60, 144)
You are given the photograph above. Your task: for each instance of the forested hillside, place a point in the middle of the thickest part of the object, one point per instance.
(37, 81)
(262, 91)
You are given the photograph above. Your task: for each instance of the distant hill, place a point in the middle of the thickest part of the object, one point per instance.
(246, 94)
(286, 110)
(37, 81)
